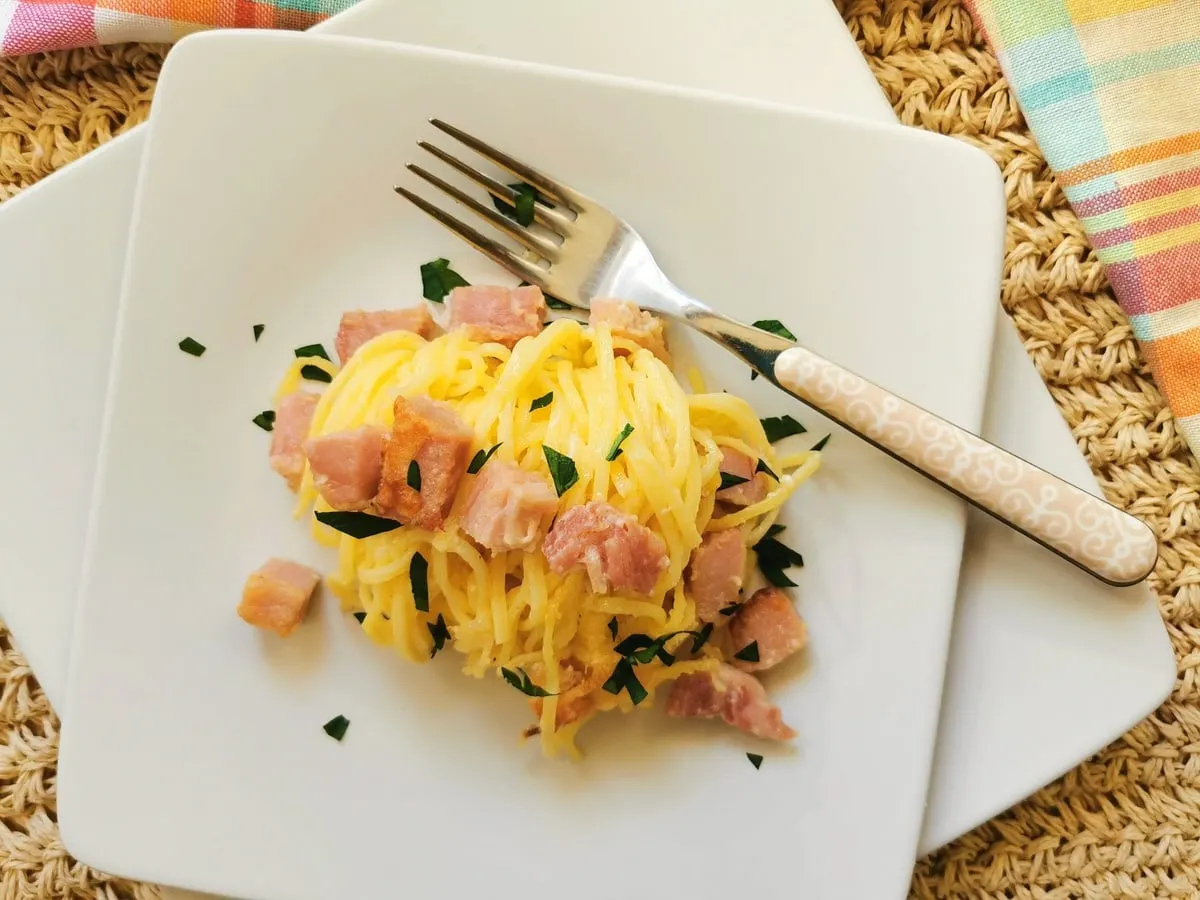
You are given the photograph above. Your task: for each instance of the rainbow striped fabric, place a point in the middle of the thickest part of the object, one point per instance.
(31, 25)
(1111, 89)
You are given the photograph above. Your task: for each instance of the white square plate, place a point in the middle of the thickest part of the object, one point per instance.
(224, 237)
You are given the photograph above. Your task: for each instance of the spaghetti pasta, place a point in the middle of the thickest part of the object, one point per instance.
(508, 610)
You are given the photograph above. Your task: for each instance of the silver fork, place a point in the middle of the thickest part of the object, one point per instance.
(600, 255)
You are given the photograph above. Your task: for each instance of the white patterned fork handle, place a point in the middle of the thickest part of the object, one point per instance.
(1095, 535)
(599, 254)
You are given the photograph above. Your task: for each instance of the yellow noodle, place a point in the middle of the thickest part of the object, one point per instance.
(508, 609)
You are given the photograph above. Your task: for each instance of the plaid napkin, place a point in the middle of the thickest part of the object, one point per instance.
(1111, 89)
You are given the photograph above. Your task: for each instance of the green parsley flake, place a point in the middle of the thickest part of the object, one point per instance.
(414, 475)
(440, 634)
(755, 759)
(615, 450)
(728, 480)
(562, 469)
(820, 445)
(356, 524)
(192, 347)
(775, 327)
(418, 573)
(336, 727)
(765, 469)
(779, 427)
(480, 459)
(258, 332)
(749, 653)
(438, 280)
(542, 401)
(265, 420)
(523, 683)
(315, 373)
(309, 351)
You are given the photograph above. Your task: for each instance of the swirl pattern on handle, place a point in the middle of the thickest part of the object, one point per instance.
(1109, 543)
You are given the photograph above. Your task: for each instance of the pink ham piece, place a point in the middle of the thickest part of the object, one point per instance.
(359, 326)
(490, 313)
(292, 421)
(618, 552)
(715, 573)
(734, 696)
(347, 466)
(627, 320)
(508, 508)
(431, 433)
(276, 597)
(770, 620)
(738, 464)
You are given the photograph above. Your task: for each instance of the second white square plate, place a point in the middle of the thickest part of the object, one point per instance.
(248, 213)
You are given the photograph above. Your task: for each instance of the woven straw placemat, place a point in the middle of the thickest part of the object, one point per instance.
(1124, 824)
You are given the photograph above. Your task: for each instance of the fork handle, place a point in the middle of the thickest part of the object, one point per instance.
(1107, 542)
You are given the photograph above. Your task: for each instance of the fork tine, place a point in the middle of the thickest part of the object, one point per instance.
(539, 180)
(494, 250)
(535, 243)
(555, 221)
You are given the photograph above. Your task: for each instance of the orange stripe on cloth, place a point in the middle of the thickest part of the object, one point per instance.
(1135, 156)
(1175, 361)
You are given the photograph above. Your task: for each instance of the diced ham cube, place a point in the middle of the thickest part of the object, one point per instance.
(627, 320)
(508, 507)
(738, 464)
(715, 573)
(490, 313)
(770, 619)
(292, 421)
(734, 696)
(618, 552)
(359, 326)
(431, 433)
(276, 597)
(347, 466)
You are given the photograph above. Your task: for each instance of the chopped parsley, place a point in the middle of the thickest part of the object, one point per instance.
(640, 649)
(774, 557)
(562, 469)
(542, 401)
(820, 445)
(728, 480)
(624, 678)
(336, 727)
(555, 303)
(440, 634)
(523, 683)
(438, 280)
(418, 573)
(315, 373)
(522, 211)
(755, 759)
(775, 327)
(360, 616)
(356, 524)
(749, 653)
(615, 450)
(775, 529)
(414, 475)
(481, 458)
(779, 427)
(730, 609)
(192, 347)
(265, 420)
(258, 332)
(765, 469)
(612, 627)
(310, 350)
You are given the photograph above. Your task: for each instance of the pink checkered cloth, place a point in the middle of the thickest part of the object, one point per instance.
(27, 26)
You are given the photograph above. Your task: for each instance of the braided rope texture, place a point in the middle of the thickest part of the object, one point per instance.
(1126, 823)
